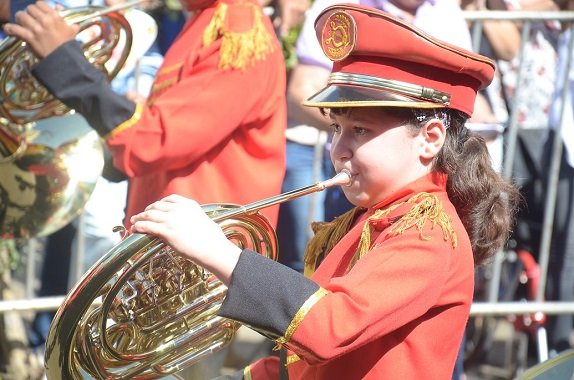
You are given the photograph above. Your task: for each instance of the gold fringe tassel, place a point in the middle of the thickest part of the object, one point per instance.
(365, 240)
(427, 207)
(239, 49)
(327, 235)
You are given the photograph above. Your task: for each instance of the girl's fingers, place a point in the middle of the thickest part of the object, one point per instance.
(152, 215)
(24, 19)
(149, 228)
(17, 31)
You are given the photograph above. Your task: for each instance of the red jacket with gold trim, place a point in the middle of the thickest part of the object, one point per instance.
(212, 133)
(398, 312)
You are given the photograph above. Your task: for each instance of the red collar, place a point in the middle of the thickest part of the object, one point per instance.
(432, 182)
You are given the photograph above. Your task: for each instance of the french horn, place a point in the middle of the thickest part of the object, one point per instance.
(50, 158)
(143, 311)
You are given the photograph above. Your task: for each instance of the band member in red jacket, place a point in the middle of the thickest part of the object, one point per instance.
(213, 126)
(388, 286)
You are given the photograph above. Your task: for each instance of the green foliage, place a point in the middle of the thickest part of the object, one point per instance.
(9, 256)
(289, 41)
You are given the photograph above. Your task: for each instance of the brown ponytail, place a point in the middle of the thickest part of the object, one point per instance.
(485, 201)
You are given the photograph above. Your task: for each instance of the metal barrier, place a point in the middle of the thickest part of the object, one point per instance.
(493, 306)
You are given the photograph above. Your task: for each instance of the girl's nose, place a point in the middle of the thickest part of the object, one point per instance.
(340, 149)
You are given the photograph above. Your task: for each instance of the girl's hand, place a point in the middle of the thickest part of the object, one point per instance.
(42, 28)
(182, 224)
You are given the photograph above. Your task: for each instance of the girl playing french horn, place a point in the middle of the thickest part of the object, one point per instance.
(388, 286)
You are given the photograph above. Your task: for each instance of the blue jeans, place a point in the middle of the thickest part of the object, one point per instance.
(295, 216)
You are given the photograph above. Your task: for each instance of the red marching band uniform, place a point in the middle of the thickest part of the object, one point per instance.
(213, 126)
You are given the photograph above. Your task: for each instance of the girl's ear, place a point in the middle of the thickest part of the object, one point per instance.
(433, 134)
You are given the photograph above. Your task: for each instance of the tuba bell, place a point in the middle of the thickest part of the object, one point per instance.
(143, 311)
(50, 158)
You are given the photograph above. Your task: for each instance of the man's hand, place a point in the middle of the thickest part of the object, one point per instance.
(42, 28)
(291, 14)
(4, 11)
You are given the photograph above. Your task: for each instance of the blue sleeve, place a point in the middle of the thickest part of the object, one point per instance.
(18, 5)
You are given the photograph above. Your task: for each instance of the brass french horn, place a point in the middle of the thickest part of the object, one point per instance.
(143, 311)
(50, 158)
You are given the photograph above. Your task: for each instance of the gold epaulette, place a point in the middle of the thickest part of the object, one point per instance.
(425, 208)
(327, 235)
(245, 39)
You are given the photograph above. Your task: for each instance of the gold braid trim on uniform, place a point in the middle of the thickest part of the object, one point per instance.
(427, 208)
(247, 373)
(327, 235)
(293, 358)
(239, 49)
(128, 123)
(301, 313)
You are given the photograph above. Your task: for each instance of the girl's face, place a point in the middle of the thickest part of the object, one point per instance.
(381, 153)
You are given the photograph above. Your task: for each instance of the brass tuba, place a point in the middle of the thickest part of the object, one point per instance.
(143, 311)
(50, 158)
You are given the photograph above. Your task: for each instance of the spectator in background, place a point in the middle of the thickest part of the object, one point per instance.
(171, 17)
(536, 100)
(561, 269)
(290, 14)
(501, 41)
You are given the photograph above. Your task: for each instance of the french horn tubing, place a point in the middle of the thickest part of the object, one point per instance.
(42, 142)
(23, 99)
(143, 311)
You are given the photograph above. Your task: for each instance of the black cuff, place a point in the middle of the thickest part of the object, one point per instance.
(68, 75)
(110, 172)
(265, 295)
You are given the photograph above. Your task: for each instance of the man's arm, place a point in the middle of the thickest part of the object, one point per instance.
(291, 14)
(4, 11)
(305, 81)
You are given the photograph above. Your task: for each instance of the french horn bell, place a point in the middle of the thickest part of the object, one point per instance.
(50, 158)
(144, 312)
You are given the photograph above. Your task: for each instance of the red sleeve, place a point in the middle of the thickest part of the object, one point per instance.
(207, 107)
(264, 369)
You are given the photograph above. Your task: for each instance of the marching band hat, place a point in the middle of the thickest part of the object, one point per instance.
(379, 60)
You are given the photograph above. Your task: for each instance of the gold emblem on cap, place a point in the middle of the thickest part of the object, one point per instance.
(338, 36)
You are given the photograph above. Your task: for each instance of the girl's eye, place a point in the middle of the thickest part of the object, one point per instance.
(336, 127)
(360, 131)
